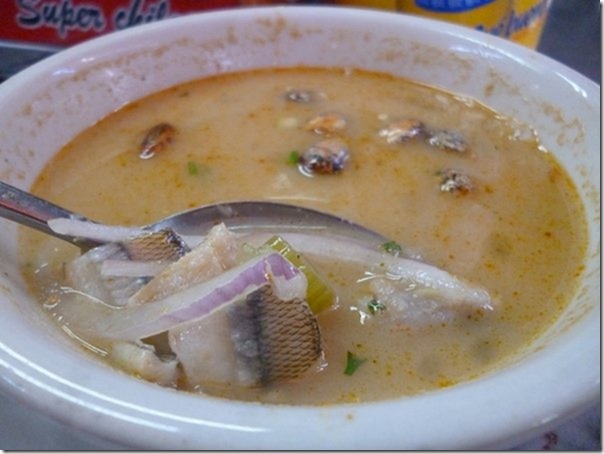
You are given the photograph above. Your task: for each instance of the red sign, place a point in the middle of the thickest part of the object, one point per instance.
(65, 22)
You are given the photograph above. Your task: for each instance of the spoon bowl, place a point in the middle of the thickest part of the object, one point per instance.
(265, 217)
(242, 217)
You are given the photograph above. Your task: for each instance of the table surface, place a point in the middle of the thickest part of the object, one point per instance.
(572, 35)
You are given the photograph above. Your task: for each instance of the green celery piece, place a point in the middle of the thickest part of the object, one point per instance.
(318, 295)
(353, 362)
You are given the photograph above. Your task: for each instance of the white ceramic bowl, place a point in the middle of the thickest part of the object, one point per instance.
(46, 105)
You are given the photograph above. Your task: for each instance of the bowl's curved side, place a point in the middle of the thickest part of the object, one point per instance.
(46, 105)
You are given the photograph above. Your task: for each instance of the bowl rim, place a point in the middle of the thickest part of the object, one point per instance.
(83, 405)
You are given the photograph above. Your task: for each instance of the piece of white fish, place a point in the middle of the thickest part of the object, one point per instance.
(258, 340)
(88, 274)
(142, 360)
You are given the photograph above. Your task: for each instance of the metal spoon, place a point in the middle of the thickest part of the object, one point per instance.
(32, 211)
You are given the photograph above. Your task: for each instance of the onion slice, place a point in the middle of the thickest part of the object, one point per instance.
(447, 288)
(138, 322)
(92, 230)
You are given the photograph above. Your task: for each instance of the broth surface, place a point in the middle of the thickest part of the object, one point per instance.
(519, 233)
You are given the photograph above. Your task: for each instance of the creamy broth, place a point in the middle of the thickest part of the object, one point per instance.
(519, 232)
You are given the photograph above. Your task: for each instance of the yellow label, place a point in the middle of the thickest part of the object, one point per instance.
(527, 21)
(519, 20)
(491, 16)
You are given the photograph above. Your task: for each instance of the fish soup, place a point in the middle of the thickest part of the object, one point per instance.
(487, 238)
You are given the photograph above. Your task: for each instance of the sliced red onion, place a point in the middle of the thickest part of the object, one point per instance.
(450, 289)
(137, 322)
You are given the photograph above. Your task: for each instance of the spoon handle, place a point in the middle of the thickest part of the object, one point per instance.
(31, 211)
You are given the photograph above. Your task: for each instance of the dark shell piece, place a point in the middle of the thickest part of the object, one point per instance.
(326, 157)
(156, 140)
(455, 181)
(448, 140)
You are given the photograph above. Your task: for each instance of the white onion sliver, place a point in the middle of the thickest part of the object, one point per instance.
(92, 230)
(450, 289)
(137, 322)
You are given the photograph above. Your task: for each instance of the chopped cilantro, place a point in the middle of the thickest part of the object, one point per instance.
(192, 168)
(375, 306)
(195, 169)
(353, 362)
(392, 247)
(294, 157)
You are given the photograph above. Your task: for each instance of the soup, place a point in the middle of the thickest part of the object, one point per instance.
(450, 183)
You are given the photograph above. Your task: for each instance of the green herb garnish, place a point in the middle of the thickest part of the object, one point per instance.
(392, 247)
(293, 158)
(375, 306)
(192, 168)
(353, 362)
